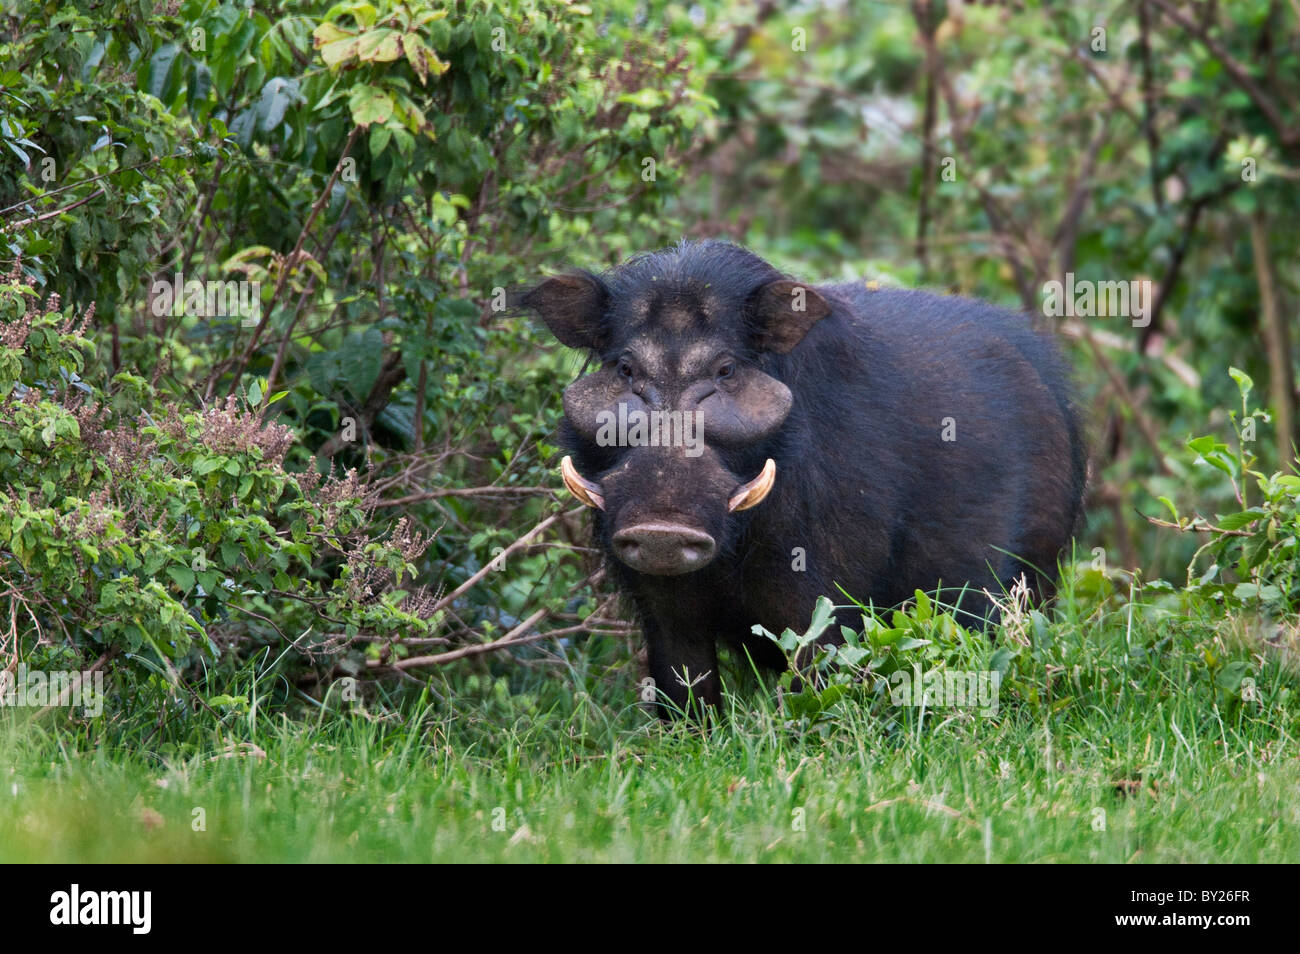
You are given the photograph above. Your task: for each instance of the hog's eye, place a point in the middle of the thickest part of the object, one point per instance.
(727, 370)
(625, 369)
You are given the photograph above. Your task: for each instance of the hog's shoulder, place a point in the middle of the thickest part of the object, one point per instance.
(910, 309)
(913, 318)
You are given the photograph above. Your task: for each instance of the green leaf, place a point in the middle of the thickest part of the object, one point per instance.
(648, 98)
(199, 86)
(160, 68)
(823, 616)
(924, 609)
(1001, 660)
(380, 46)
(360, 360)
(852, 655)
(1230, 676)
(278, 95)
(1223, 462)
(236, 702)
(369, 105)
(336, 46)
(1235, 521)
(183, 576)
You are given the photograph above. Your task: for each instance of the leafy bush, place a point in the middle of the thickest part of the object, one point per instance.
(920, 640)
(380, 174)
(1252, 552)
(134, 528)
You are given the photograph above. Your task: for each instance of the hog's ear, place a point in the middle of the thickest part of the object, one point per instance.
(573, 307)
(784, 310)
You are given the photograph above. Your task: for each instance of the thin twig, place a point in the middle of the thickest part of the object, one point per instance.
(53, 213)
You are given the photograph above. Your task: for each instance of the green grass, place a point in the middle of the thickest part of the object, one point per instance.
(556, 763)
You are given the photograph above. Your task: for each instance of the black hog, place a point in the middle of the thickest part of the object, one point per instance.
(751, 442)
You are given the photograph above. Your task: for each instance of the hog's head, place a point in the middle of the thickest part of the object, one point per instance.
(671, 434)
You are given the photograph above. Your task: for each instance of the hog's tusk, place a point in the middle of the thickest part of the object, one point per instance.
(582, 488)
(753, 493)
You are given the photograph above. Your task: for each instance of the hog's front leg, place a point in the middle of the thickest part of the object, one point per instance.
(684, 667)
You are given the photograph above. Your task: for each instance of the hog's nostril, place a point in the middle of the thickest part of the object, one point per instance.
(664, 549)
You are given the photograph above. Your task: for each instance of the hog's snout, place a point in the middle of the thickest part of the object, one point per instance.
(664, 549)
